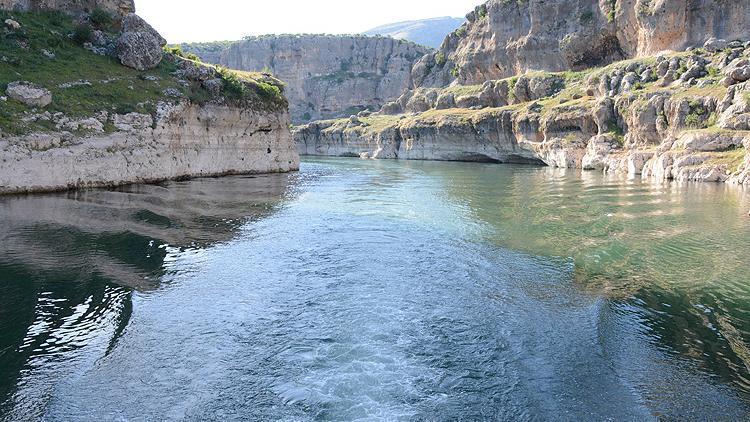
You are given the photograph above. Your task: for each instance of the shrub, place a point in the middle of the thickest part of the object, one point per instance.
(82, 34)
(482, 11)
(233, 85)
(100, 18)
(440, 59)
(455, 72)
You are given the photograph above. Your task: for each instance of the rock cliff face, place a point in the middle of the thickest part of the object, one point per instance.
(330, 76)
(68, 126)
(503, 38)
(684, 116)
(185, 140)
(116, 7)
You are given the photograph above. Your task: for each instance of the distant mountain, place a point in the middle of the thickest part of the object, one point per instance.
(428, 32)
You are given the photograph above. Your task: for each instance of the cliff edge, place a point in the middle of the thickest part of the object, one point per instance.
(502, 38)
(92, 99)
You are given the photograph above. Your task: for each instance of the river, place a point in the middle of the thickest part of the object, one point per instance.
(378, 290)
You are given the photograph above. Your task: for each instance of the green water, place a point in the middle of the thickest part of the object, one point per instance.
(378, 290)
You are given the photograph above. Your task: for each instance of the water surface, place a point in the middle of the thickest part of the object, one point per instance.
(378, 290)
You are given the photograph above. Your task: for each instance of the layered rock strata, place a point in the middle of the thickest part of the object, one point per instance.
(503, 38)
(329, 76)
(682, 116)
(183, 140)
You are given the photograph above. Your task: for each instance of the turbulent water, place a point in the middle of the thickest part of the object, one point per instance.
(378, 290)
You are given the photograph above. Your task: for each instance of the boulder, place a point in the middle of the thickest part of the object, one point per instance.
(12, 25)
(715, 44)
(30, 94)
(139, 46)
(214, 86)
(132, 121)
(741, 74)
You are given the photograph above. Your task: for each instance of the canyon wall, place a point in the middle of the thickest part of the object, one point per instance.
(329, 76)
(158, 116)
(684, 116)
(503, 38)
(183, 140)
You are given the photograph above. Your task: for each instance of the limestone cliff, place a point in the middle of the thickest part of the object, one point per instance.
(184, 140)
(66, 126)
(683, 116)
(503, 38)
(329, 76)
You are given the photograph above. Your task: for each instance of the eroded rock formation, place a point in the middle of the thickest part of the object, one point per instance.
(503, 38)
(330, 76)
(182, 140)
(684, 116)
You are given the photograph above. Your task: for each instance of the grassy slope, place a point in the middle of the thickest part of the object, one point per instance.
(114, 88)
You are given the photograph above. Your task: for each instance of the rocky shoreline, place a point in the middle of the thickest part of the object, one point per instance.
(681, 116)
(184, 141)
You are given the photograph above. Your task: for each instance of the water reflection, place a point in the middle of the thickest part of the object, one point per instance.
(381, 290)
(671, 255)
(69, 264)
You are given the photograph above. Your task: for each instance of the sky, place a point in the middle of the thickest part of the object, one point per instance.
(214, 20)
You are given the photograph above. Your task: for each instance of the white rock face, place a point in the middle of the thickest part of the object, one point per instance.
(504, 38)
(329, 76)
(188, 141)
(30, 94)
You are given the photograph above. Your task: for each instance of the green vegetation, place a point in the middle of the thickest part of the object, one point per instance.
(112, 88)
(482, 11)
(82, 34)
(177, 51)
(83, 83)
(440, 59)
(101, 19)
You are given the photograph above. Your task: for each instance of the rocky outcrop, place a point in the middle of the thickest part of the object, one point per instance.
(139, 46)
(183, 140)
(503, 38)
(329, 76)
(684, 116)
(115, 7)
(28, 93)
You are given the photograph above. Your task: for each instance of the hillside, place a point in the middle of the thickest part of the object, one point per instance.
(55, 113)
(427, 32)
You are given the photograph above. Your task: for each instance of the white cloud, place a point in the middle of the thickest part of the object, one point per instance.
(190, 20)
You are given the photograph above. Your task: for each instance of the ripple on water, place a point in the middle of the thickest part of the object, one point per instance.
(419, 291)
